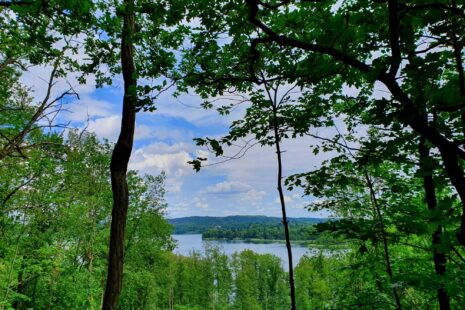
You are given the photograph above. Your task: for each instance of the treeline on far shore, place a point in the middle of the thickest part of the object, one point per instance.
(201, 224)
(299, 232)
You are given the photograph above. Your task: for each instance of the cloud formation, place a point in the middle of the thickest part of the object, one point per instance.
(228, 187)
(163, 142)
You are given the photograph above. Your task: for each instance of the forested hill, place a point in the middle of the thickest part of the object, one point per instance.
(200, 224)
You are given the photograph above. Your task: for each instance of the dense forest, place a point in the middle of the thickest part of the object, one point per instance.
(373, 89)
(200, 224)
(297, 231)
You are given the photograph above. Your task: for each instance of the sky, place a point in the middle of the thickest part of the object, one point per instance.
(164, 142)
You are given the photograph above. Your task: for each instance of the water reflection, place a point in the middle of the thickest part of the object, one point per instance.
(193, 242)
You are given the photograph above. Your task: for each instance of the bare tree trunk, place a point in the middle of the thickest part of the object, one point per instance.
(430, 195)
(283, 206)
(119, 164)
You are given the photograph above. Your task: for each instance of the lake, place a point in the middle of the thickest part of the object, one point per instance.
(193, 242)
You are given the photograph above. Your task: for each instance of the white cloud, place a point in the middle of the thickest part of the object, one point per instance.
(145, 132)
(187, 107)
(37, 79)
(251, 180)
(157, 157)
(227, 187)
(287, 199)
(178, 209)
(106, 127)
(200, 203)
(252, 197)
(109, 125)
(174, 164)
(87, 108)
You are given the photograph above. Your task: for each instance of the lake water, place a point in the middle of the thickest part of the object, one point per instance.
(189, 243)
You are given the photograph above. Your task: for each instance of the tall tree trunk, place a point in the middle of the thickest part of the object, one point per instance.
(283, 206)
(439, 258)
(119, 164)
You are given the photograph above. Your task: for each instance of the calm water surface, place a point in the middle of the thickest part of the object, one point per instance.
(189, 243)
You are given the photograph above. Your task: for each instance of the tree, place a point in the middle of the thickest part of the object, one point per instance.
(103, 25)
(222, 277)
(266, 120)
(271, 108)
(120, 160)
(326, 47)
(407, 217)
(371, 50)
(55, 231)
(27, 41)
(259, 282)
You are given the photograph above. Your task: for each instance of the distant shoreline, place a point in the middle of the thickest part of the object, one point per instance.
(257, 240)
(311, 244)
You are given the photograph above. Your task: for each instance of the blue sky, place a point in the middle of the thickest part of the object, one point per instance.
(163, 142)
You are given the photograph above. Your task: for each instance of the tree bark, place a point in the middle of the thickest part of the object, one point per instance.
(439, 258)
(119, 164)
(283, 207)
